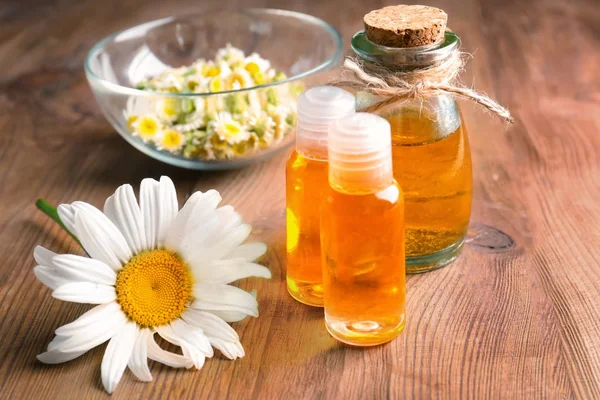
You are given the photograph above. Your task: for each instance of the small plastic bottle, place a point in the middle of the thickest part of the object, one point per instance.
(306, 179)
(362, 234)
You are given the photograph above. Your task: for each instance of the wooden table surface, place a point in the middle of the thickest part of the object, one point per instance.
(513, 318)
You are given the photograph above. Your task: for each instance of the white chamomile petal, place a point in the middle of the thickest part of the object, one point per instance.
(104, 225)
(197, 242)
(231, 350)
(190, 351)
(158, 202)
(85, 292)
(227, 271)
(193, 335)
(57, 342)
(226, 243)
(57, 357)
(213, 238)
(123, 210)
(66, 214)
(229, 219)
(138, 363)
(156, 353)
(261, 63)
(210, 324)
(117, 355)
(229, 314)
(198, 206)
(43, 256)
(83, 269)
(218, 297)
(248, 251)
(95, 315)
(49, 277)
(100, 237)
(95, 333)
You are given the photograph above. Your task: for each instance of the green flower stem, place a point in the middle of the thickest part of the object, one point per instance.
(51, 212)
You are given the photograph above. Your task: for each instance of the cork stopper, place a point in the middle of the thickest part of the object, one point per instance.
(405, 26)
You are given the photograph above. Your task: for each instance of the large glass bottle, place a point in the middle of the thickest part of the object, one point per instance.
(431, 158)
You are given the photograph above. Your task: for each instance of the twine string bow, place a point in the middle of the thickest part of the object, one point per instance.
(439, 78)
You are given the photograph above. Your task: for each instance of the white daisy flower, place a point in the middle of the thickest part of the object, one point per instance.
(216, 84)
(147, 127)
(196, 83)
(152, 269)
(171, 140)
(239, 78)
(230, 55)
(228, 129)
(168, 109)
(258, 68)
(170, 80)
(136, 106)
(255, 63)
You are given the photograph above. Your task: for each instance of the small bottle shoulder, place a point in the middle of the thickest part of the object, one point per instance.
(392, 194)
(388, 198)
(297, 161)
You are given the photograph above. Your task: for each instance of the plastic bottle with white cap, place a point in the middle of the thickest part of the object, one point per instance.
(362, 234)
(306, 179)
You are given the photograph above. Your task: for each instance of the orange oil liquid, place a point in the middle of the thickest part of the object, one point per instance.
(306, 180)
(435, 176)
(362, 239)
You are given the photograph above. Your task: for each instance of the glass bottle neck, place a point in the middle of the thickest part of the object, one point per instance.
(405, 58)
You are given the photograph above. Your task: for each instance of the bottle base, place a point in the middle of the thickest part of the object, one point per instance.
(364, 333)
(309, 293)
(430, 262)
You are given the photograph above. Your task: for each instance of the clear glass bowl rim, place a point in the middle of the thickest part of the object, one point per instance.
(116, 88)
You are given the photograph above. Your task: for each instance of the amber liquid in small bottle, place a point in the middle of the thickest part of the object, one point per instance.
(306, 180)
(363, 257)
(362, 235)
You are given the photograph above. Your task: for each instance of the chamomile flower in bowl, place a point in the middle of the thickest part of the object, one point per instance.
(213, 90)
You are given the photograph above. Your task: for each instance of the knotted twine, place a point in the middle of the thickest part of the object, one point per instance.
(439, 78)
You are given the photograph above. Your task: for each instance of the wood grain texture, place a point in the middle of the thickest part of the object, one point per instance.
(507, 320)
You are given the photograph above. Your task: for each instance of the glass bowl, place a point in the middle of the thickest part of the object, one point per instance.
(297, 44)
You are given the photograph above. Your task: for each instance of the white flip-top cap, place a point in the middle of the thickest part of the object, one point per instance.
(360, 153)
(317, 107)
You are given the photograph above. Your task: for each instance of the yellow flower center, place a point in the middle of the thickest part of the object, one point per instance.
(259, 78)
(215, 85)
(131, 120)
(154, 287)
(232, 129)
(252, 67)
(213, 71)
(236, 78)
(170, 110)
(147, 127)
(172, 140)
